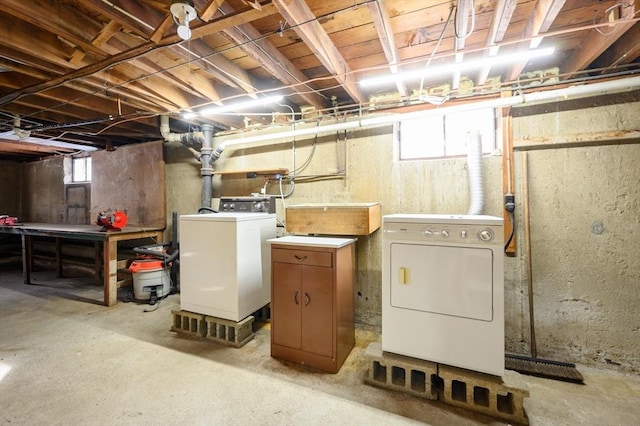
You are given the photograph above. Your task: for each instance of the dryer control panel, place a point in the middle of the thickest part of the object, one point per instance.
(248, 205)
(441, 233)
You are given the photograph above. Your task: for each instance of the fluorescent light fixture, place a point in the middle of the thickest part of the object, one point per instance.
(234, 107)
(12, 136)
(464, 66)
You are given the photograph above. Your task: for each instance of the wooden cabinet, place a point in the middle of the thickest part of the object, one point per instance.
(312, 297)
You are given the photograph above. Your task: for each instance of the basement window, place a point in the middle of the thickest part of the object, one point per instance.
(77, 169)
(445, 136)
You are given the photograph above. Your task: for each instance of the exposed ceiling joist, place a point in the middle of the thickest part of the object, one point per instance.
(600, 40)
(304, 22)
(67, 65)
(387, 40)
(539, 22)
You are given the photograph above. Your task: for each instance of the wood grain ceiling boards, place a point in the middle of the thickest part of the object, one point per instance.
(98, 73)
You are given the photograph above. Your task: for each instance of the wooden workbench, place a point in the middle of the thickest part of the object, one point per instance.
(108, 262)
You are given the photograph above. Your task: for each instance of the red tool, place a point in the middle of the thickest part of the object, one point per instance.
(6, 220)
(112, 220)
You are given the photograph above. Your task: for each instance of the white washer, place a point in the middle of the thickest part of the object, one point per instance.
(225, 263)
(443, 289)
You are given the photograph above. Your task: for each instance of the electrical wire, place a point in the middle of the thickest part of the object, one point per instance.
(435, 48)
(513, 228)
(311, 154)
(155, 306)
(622, 5)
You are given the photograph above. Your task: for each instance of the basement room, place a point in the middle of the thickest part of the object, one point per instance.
(312, 212)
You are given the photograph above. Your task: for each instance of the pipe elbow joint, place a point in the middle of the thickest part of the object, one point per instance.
(216, 153)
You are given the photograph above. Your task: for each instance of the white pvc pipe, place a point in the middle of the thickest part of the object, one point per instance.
(630, 83)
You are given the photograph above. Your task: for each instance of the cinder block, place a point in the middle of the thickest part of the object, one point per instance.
(189, 323)
(400, 373)
(483, 393)
(498, 397)
(229, 332)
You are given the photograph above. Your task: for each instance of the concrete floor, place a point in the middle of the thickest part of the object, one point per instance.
(66, 359)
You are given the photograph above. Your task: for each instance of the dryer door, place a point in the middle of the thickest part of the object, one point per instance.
(445, 280)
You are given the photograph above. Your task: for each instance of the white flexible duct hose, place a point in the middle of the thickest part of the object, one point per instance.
(474, 165)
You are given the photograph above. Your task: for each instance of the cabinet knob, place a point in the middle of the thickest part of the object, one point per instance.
(300, 258)
(295, 298)
(307, 299)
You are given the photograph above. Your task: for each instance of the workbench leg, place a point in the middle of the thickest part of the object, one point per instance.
(58, 258)
(97, 256)
(110, 262)
(27, 254)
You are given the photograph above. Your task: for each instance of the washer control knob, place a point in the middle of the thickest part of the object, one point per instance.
(463, 234)
(486, 235)
(445, 233)
(427, 233)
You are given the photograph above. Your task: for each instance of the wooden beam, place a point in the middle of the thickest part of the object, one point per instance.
(567, 140)
(268, 56)
(599, 41)
(217, 25)
(299, 16)
(508, 180)
(382, 23)
(65, 22)
(539, 22)
(16, 147)
(126, 11)
(623, 51)
(98, 41)
(202, 56)
(499, 23)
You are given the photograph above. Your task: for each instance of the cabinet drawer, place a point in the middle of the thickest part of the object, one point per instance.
(302, 257)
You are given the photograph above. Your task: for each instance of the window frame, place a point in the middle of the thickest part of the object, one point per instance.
(86, 173)
(495, 136)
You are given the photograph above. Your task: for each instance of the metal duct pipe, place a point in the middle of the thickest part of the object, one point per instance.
(206, 171)
(474, 167)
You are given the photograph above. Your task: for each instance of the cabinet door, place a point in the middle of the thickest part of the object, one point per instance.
(286, 303)
(317, 310)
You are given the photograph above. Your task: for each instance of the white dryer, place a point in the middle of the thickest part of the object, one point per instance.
(443, 289)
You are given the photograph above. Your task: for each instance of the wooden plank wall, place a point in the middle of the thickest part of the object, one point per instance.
(131, 178)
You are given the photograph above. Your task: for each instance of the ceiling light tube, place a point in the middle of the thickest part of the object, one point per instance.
(234, 107)
(463, 66)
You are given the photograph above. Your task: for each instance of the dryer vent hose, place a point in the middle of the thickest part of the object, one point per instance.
(474, 165)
